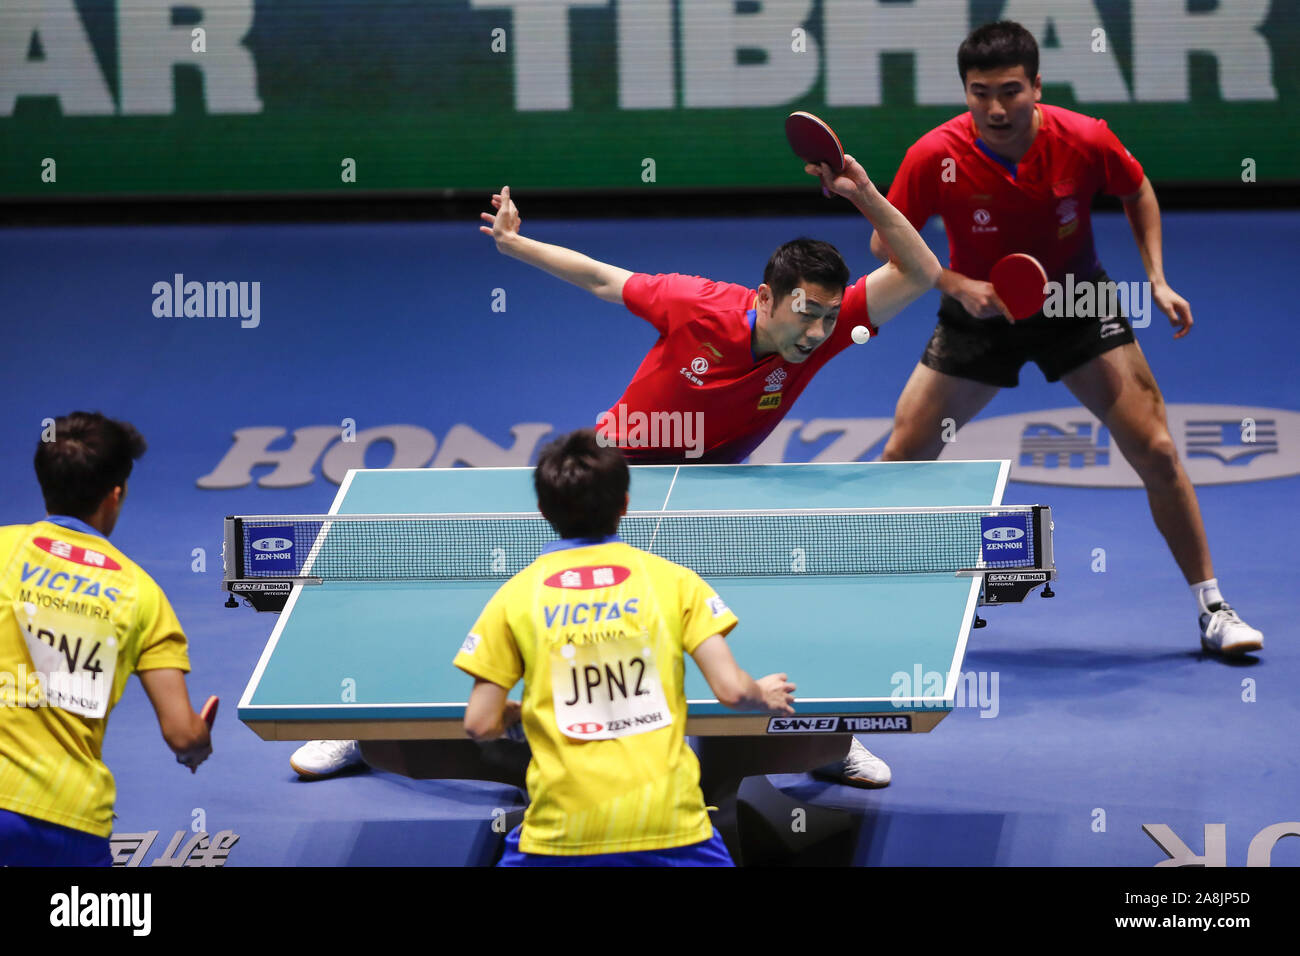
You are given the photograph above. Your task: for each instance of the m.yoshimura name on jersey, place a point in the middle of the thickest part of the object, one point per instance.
(77, 618)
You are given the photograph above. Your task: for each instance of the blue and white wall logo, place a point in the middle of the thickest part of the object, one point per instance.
(270, 550)
(1005, 538)
(1218, 444)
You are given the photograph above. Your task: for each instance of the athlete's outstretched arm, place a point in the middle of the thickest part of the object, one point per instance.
(1143, 213)
(912, 270)
(598, 278)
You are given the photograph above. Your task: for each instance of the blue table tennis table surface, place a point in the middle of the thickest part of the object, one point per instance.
(373, 660)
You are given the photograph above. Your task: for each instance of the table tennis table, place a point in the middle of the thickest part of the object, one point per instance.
(371, 660)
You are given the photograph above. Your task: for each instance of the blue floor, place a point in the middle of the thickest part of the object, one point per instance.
(1106, 716)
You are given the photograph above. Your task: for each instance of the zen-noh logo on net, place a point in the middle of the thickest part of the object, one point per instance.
(271, 549)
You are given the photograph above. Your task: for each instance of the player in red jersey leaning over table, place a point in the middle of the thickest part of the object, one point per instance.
(1017, 175)
(730, 358)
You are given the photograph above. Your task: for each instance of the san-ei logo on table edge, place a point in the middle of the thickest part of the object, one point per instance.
(867, 723)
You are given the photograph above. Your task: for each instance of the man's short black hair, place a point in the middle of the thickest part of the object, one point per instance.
(581, 485)
(996, 46)
(805, 260)
(89, 456)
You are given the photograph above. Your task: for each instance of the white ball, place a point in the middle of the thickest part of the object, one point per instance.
(861, 334)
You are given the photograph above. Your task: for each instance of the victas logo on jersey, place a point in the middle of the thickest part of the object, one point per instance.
(579, 613)
(45, 578)
(587, 578)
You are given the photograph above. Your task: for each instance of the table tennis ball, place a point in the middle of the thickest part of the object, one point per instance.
(860, 334)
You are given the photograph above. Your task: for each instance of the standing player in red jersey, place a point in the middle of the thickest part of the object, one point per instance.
(1017, 175)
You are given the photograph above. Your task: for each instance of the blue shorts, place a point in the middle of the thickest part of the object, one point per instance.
(27, 841)
(710, 852)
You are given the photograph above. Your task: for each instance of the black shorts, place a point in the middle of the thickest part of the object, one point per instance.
(993, 350)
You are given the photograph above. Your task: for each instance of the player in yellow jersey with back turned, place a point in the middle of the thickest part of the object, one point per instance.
(77, 618)
(598, 631)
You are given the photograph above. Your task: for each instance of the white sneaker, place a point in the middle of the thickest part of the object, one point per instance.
(1223, 632)
(859, 768)
(321, 758)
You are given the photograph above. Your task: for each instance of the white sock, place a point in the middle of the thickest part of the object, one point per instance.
(1206, 593)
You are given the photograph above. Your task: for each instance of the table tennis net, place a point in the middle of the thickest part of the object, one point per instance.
(719, 543)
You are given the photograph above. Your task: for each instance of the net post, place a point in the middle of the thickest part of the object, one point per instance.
(234, 547)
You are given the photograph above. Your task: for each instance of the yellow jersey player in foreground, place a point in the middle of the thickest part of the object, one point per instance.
(598, 631)
(77, 618)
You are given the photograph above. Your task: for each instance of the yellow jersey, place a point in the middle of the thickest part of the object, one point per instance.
(77, 618)
(598, 632)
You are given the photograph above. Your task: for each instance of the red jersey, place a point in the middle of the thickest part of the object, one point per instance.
(700, 394)
(1043, 208)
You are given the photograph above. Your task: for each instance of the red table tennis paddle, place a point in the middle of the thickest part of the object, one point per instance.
(209, 711)
(813, 141)
(1020, 282)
